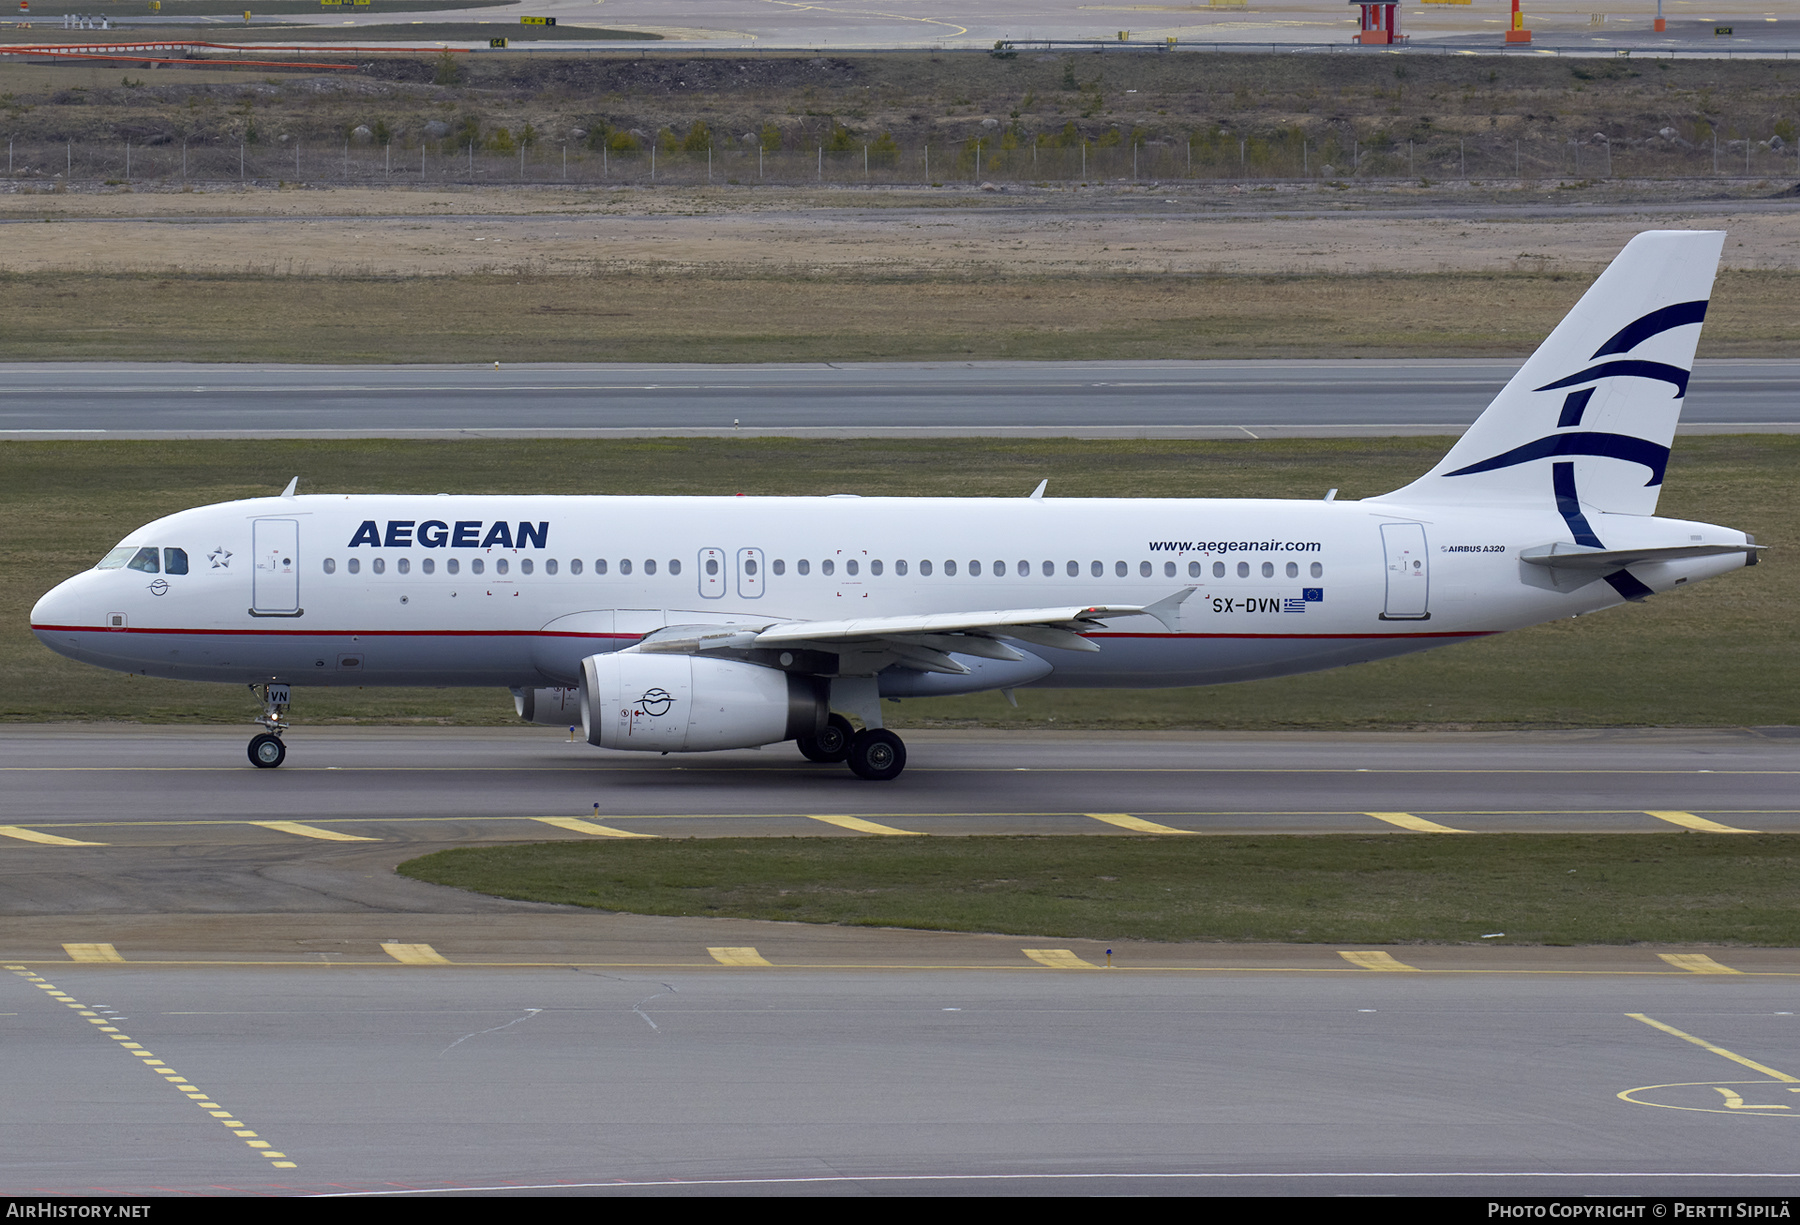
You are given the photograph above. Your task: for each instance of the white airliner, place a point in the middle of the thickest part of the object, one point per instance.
(681, 624)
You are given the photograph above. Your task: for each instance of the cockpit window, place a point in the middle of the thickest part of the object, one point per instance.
(146, 561)
(116, 559)
(174, 561)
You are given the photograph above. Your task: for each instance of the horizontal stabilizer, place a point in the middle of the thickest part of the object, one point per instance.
(1565, 556)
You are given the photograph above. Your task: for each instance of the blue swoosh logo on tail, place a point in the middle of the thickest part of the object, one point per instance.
(1611, 446)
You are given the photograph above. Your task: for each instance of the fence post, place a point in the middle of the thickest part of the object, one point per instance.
(128, 160)
(240, 161)
(821, 163)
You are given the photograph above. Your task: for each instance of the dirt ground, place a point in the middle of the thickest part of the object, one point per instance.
(771, 231)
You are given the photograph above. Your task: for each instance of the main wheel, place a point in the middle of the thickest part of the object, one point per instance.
(877, 755)
(267, 752)
(831, 744)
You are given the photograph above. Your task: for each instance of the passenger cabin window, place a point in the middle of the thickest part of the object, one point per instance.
(1293, 569)
(1218, 569)
(780, 567)
(174, 561)
(575, 565)
(803, 566)
(404, 565)
(429, 565)
(499, 565)
(353, 565)
(624, 565)
(1318, 571)
(650, 566)
(525, 566)
(1193, 569)
(550, 566)
(1268, 569)
(925, 568)
(826, 566)
(1243, 569)
(1168, 569)
(146, 560)
(379, 565)
(452, 566)
(599, 565)
(675, 566)
(950, 568)
(476, 565)
(850, 566)
(330, 565)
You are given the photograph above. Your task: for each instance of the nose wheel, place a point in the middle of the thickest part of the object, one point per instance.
(267, 752)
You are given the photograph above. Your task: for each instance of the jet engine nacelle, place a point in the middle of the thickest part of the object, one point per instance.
(551, 707)
(687, 703)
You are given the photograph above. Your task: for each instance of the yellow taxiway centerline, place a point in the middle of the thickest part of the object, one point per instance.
(1754, 1066)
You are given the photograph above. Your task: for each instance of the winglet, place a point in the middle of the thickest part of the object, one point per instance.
(1037, 495)
(291, 486)
(1168, 609)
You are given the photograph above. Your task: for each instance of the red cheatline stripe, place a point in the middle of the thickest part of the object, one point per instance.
(279, 633)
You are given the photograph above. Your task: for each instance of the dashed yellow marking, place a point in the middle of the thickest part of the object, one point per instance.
(92, 952)
(741, 956)
(1374, 959)
(311, 831)
(170, 1076)
(31, 835)
(1419, 825)
(1735, 1101)
(865, 827)
(1136, 824)
(1696, 963)
(577, 826)
(1688, 820)
(415, 954)
(1059, 959)
(1717, 1050)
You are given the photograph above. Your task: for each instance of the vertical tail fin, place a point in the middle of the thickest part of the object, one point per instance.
(1589, 419)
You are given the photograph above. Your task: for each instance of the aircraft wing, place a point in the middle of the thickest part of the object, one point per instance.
(925, 641)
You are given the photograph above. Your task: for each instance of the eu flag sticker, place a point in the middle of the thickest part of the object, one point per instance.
(1313, 595)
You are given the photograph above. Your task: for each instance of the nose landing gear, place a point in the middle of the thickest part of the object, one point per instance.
(266, 750)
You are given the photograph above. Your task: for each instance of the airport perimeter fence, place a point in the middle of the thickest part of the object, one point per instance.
(1250, 161)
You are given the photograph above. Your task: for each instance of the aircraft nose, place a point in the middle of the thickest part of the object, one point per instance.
(59, 608)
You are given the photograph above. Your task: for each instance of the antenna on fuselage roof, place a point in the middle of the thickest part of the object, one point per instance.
(291, 486)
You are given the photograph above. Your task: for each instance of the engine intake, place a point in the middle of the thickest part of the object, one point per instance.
(690, 704)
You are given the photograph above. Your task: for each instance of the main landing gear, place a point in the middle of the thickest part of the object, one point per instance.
(875, 754)
(266, 750)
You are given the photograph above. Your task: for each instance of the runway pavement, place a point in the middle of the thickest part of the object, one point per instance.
(1016, 399)
(215, 967)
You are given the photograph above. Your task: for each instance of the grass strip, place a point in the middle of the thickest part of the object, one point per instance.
(670, 315)
(1382, 889)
